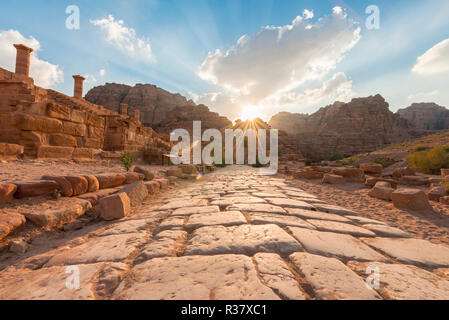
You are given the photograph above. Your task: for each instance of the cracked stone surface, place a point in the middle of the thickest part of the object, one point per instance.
(231, 235)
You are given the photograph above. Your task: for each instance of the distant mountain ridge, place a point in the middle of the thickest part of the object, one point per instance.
(426, 116)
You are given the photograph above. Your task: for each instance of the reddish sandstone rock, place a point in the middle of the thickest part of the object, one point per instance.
(188, 168)
(148, 174)
(153, 187)
(308, 174)
(174, 172)
(79, 184)
(62, 140)
(9, 222)
(18, 246)
(436, 192)
(352, 174)
(400, 172)
(164, 183)
(54, 152)
(137, 192)
(10, 151)
(414, 180)
(373, 168)
(371, 182)
(83, 153)
(114, 207)
(111, 180)
(382, 190)
(132, 177)
(445, 200)
(93, 184)
(411, 199)
(333, 179)
(7, 192)
(64, 185)
(444, 173)
(36, 188)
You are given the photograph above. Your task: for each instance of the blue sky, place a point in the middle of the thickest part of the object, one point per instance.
(173, 44)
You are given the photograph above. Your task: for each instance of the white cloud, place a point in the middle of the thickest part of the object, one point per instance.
(44, 73)
(274, 62)
(102, 72)
(124, 38)
(308, 14)
(424, 96)
(435, 60)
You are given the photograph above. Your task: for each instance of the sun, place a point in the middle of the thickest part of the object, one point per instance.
(251, 113)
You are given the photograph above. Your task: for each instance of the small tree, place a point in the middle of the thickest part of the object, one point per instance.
(127, 160)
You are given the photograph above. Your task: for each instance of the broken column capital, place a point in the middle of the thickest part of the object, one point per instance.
(23, 59)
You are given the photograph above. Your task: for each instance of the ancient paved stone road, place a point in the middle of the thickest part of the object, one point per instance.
(236, 235)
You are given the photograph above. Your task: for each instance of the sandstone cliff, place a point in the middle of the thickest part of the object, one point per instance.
(159, 108)
(362, 125)
(426, 116)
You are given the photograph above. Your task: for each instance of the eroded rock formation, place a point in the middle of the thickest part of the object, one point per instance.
(426, 116)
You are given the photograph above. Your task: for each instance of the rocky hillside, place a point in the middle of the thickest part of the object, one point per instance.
(426, 116)
(159, 108)
(362, 125)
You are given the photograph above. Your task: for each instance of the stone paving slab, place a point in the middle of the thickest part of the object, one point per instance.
(290, 203)
(268, 194)
(244, 239)
(235, 200)
(221, 277)
(334, 209)
(331, 279)
(115, 248)
(51, 283)
(318, 215)
(363, 220)
(404, 282)
(183, 204)
(276, 275)
(335, 245)
(172, 222)
(225, 218)
(387, 231)
(195, 210)
(280, 220)
(256, 207)
(165, 243)
(412, 251)
(334, 226)
(128, 226)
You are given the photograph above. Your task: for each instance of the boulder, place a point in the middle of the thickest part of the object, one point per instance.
(400, 172)
(333, 179)
(18, 246)
(36, 189)
(114, 207)
(7, 192)
(64, 185)
(164, 183)
(132, 177)
(373, 168)
(137, 192)
(79, 184)
(110, 180)
(174, 172)
(371, 182)
(10, 151)
(351, 174)
(414, 180)
(436, 192)
(188, 168)
(382, 190)
(9, 222)
(411, 199)
(148, 174)
(308, 174)
(93, 184)
(153, 187)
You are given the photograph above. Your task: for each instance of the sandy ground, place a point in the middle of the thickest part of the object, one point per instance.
(29, 170)
(434, 228)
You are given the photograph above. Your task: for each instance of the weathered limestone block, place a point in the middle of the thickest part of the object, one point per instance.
(63, 214)
(226, 218)
(244, 239)
(333, 209)
(335, 245)
(371, 182)
(153, 187)
(9, 222)
(280, 220)
(36, 188)
(93, 143)
(400, 172)
(148, 174)
(79, 184)
(74, 129)
(65, 187)
(352, 174)
(38, 123)
(174, 172)
(331, 279)
(58, 111)
(371, 168)
(436, 192)
(95, 120)
(308, 174)
(414, 180)
(381, 190)
(164, 183)
(83, 153)
(276, 275)
(54, 152)
(412, 251)
(309, 214)
(165, 244)
(387, 231)
(188, 168)
(137, 192)
(78, 116)
(411, 199)
(221, 277)
(290, 203)
(50, 283)
(110, 180)
(7, 192)
(114, 207)
(113, 248)
(333, 179)
(339, 227)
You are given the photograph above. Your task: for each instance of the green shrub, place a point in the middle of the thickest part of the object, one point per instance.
(420, 148)
(445, 183)
(446, 149)
(127, 160)
(430, 162)
(385, 162)
(337, 156)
